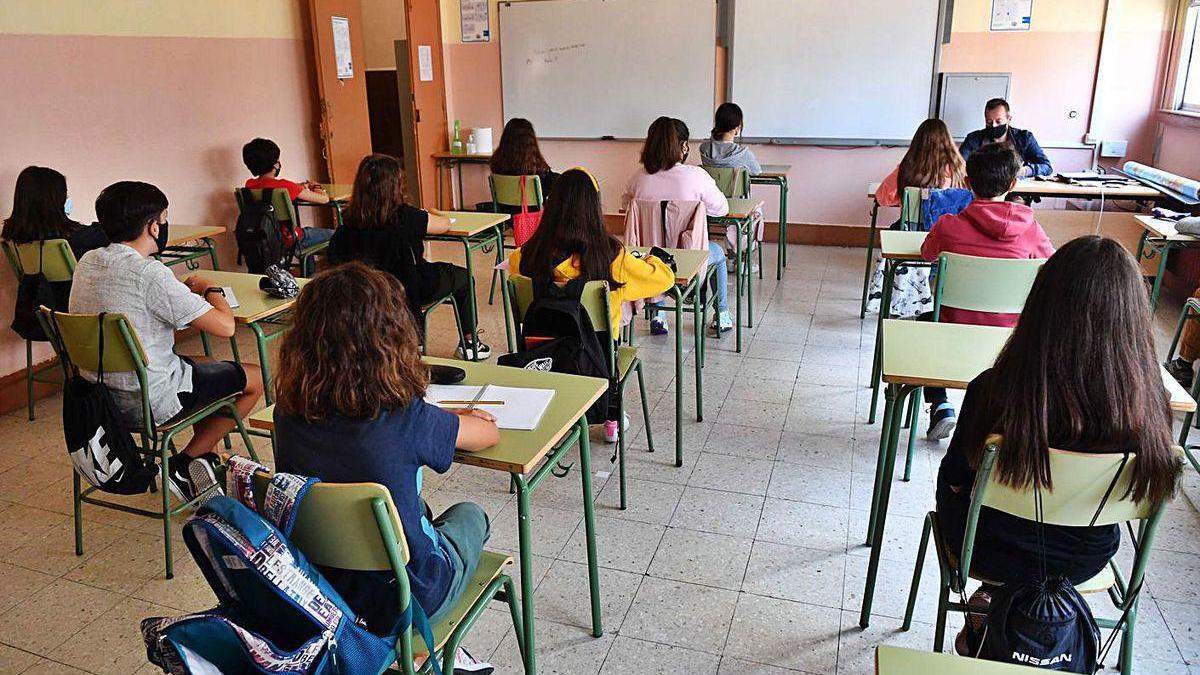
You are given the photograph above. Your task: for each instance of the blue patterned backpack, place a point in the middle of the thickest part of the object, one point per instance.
(276, 613)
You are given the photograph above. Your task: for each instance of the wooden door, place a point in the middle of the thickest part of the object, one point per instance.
(428, 95)
(345, 120)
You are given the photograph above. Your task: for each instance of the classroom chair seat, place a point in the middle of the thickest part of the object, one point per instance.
(491, 567)
(627, 358)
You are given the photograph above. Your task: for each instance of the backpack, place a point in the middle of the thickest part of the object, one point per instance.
(34, 290)
(276, 613)
(262, 239)
(574, 346)
(102, 451)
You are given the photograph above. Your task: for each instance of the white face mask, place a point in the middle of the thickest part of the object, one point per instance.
(67, 206)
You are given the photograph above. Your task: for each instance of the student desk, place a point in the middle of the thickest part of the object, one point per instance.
(257, 310)
(1030, 188)
(903, 661)
(689, 277)
(872, 188)
(1158, 238)
(529, 457)
(448, 161)
(475, 231)
(180, 252)
(740, 211)
(776, 174)
(339, 194)
(922, 354)
(899, 248)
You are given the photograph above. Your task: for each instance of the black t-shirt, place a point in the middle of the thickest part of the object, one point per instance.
(396, 248)
(1006, 547)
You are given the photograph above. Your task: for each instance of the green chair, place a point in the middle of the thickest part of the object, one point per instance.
(355, 526)
(976, 284)
(622, 359)
(1191, 312)
(734, 182)
(285, 212)
(55, 260)
(108, 342)
(426, 310)
(1082, 484)
(506, 195)
(910, 207)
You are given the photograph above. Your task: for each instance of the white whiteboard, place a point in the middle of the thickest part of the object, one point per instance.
(594, 68)
(834, 69)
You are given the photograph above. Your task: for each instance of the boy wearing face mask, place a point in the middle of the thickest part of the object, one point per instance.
(997, 129)
(261, 157)
(124, 277)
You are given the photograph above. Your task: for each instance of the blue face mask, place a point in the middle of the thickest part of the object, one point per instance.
(67, 206)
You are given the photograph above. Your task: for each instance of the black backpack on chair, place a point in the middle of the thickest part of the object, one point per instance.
(573, 346)
(35, 290)
(258, 232)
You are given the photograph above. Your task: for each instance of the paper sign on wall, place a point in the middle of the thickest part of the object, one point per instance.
(341, 47)
(1012, 14)
(475, 21)
(425, 62)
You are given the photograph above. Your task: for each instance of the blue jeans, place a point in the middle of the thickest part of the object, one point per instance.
(716, 258)
(314, 235)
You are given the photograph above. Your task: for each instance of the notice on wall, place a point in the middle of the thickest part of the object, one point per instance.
(1011, 15)
(475, 21)
(425, 63)
(341, 47)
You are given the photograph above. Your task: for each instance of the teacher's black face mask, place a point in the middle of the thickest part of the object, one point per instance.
(994, 133)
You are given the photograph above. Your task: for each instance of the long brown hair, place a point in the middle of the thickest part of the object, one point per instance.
(37, 211)
(572, 227)
(378, 192)
(663, 148)
(932, 159)
(353, 348)
(518, 153)
(1079, 373)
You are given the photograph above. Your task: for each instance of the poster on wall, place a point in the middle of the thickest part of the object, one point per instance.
(475, 21)
(425, 63)
(341, 47)
(1010, 15)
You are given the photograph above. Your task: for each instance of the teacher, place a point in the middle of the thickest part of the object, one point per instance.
(996, 118)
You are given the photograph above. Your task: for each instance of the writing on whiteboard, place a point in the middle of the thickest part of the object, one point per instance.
(552, 54)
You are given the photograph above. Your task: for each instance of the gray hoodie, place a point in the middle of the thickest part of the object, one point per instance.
(728, 154)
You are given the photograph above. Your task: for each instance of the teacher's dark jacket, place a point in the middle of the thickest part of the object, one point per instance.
(1022, 140)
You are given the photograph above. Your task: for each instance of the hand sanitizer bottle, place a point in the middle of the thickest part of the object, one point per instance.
(456, 146)
(471, 147)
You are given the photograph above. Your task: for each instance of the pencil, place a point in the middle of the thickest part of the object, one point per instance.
(471, 403)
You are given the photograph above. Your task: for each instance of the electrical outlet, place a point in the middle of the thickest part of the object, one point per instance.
(1113, 148)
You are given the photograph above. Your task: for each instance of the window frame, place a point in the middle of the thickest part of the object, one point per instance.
(1187, 57)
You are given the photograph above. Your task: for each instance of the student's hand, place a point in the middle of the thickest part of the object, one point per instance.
(315, 187)
(1025, 172)
(198, 284)
(476, 412)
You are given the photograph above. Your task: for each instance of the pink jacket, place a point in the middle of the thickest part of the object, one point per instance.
(990, 230)
(682, 182)
(686, 225)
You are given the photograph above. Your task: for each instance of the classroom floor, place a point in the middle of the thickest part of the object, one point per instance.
(747, 560)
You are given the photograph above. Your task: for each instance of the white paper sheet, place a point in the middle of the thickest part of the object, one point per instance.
(425, 62)
(475, 21)
(522, 409)
(341, 47)
(1012, 14)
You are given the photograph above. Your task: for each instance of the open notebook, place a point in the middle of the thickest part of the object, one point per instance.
(522, 408)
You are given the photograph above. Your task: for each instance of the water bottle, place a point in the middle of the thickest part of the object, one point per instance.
(456, 145)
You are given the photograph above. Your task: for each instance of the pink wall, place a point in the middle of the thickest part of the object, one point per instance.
(173, 111)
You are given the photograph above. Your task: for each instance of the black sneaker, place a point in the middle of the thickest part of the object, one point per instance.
(1182, 372)
(179, 481)
(465, 664)
(941, 422)
(203, 473)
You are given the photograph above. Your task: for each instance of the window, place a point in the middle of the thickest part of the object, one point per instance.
(1188, 85)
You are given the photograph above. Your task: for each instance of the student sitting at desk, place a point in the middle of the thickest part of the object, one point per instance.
(931, 161)
(41, 210)
(989, 227)
(665, 176)
(261, 157)
(380, 229)
(350, 408)
(573, 243)
(125, 277)
(996, 118)
(1047, 391)
(518, 154)
(723, 149)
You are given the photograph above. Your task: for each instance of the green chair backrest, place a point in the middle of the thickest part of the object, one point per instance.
(338, 525)
(57, 259)
(79, 335)
(506, 190)
(910, 207)
(594, 300)
(285, 210)
(984, 284)
(732, 181)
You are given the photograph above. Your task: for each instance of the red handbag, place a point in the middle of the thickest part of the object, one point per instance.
(525, 223)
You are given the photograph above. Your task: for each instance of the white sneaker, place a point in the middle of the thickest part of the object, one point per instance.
(723, 323)
(611, 432)
(478, 351)
(465, 664)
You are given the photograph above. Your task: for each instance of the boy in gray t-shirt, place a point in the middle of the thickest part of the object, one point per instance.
(124, 278)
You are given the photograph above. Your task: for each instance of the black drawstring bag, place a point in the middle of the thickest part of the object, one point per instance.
(33, 291)
(101, 449)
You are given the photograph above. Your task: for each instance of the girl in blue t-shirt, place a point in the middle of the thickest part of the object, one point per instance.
(350, 408)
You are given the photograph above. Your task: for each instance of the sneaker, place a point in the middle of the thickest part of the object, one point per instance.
(723, 323)
(611, 432)
(941, 422)
(967, 642)
(658, 325)
(178, 479)
(475, 351)
(465, 664)
(203, 474)
(1182, 372)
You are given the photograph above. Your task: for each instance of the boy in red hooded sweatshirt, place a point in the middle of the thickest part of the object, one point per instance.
(989, 227)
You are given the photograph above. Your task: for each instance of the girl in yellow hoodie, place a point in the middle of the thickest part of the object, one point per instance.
(572, 243)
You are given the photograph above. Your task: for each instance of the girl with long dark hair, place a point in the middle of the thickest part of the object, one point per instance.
(41, 209)
(518, 154)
